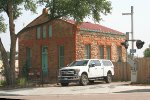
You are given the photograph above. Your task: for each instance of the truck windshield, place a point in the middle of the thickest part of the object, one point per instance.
(79, 63)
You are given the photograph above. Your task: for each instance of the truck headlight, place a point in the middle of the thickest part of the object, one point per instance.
(77, 71)
(59, 74)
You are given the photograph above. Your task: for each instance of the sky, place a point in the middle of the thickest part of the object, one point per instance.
(115, 20)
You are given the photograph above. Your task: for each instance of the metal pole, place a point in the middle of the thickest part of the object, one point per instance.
(126, 66)
(132, 36)
(132, 62)
(134, 70)
(132, 32)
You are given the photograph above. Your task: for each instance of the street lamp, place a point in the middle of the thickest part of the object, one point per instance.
(132, 37)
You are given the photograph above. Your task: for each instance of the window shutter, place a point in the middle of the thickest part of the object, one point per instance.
(44, 32)
(50, 31)
(38, 32)
(101, 52)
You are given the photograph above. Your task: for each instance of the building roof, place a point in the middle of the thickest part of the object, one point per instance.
(95, 27)
(84, 26)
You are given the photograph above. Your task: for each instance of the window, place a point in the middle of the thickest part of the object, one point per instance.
(28, 57)
(108, 49)
(38, 32)
(101, 52)
(87, 51)
(119, 53)
(44, 49)
(50, 31)
(79, 63)
(61, 56)
(44, 32)
(96, 62)
(107, 63)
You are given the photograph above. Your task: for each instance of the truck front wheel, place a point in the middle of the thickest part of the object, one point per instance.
(108, 78)
(84, 79)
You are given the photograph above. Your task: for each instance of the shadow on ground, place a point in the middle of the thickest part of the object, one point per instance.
(7, 94)
(135, 90)
(78, 84)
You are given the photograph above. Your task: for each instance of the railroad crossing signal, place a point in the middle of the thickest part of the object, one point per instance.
(125, 44)
(139, 44)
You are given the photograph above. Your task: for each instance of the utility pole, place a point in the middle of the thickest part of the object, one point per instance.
(132, 36)
(139, 44)
(132, 51)
(132, 32)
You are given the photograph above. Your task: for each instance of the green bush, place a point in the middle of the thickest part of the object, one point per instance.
(3, 83)
(22, 82)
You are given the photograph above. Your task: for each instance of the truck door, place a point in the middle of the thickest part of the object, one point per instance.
(92, 69)
(99, 68)
(96, 70)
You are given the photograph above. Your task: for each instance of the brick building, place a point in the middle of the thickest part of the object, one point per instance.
(49, 45)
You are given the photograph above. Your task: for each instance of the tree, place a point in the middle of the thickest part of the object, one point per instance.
(0, 56)
(13, 10)
(78, 9)
(2, 24)
(147, 52)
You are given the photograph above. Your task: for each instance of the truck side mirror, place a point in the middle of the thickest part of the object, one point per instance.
(92, 65)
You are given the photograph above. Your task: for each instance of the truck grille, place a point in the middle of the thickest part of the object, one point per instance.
(68, 72)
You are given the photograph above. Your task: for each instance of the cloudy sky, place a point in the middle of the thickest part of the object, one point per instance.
(115, 20)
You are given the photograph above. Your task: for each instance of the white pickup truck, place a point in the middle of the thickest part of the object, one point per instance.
(85, 71)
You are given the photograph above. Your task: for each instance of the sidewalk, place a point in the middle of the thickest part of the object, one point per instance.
(115, 87)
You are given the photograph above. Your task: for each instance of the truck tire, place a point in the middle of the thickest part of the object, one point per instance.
(108, 78)
(64, 84)
(84, 79)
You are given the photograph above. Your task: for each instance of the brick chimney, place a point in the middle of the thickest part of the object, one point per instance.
(45, 11)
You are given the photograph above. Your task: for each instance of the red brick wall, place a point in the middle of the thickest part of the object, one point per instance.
(96, 39)
(62, 34)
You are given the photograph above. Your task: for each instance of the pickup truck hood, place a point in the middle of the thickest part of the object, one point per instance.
(73, 67)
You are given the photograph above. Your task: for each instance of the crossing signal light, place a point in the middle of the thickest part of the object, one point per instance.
(125, 44)
(139, 44)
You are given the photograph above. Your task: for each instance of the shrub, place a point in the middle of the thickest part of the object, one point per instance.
(22, 82)
(3, 83)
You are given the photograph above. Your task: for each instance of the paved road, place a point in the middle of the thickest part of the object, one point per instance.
(118, 96)
(113, 91)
